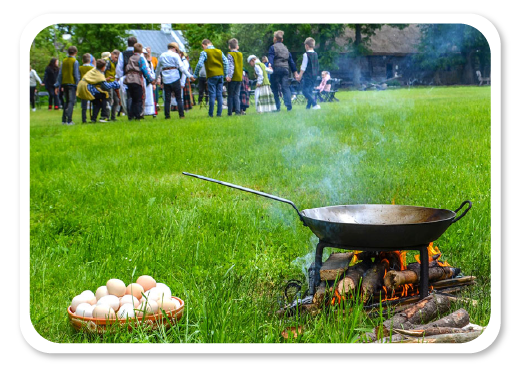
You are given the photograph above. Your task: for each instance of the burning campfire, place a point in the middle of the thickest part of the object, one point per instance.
(378, 277)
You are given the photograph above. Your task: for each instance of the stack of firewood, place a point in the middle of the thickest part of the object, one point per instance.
(413, 324)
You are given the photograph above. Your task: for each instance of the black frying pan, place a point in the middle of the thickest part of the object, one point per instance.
(370, 225)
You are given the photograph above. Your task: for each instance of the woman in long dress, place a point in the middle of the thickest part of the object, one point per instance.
(264, 98)
(149, 103)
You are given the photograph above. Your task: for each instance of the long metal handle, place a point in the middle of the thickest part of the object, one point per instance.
(248, 190)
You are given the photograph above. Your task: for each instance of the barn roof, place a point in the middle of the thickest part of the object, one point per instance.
(158, 40)
(389, 40)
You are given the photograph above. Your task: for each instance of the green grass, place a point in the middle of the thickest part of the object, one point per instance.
(109, 201)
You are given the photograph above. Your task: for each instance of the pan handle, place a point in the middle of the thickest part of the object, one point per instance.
(248, 190)
(465, 211)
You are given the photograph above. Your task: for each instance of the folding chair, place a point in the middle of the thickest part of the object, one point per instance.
(39, 98)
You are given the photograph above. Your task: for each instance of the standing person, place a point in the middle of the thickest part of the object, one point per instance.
(121, 70)
(49, 78)
(309, 70)
(149, 104)
(216, 64)
(93, 87)
(154, 61)
(185, 84)
(34, 80)
(110, 75)
(264, 99)
(68, 79)
(282, 62)
(244, 92)
(137, 75)
(170, 66)
(203, 85)
(83, 69)
(234, 77)
(265, 60)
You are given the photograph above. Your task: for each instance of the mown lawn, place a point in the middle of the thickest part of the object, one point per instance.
(109, 201)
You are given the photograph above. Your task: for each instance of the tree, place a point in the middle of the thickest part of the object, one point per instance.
(452, 45)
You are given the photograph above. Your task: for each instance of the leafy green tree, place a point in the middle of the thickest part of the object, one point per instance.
(453, 45)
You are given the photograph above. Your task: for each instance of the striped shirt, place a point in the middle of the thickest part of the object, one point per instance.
(104, 85)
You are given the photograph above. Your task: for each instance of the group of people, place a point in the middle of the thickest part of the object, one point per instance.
(129, 80)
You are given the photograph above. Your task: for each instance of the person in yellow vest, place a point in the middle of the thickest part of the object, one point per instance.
(234, 77)
(110, 75)
(68, 79)
(264, 98)
(83, 69)
(94, 87)
(216, 64)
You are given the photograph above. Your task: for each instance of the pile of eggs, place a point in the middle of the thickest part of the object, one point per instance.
(116, 300)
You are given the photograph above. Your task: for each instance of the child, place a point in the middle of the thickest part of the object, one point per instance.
(309, 72)
(234, 77)
(324, 86)
(68, 79)
(264, 98)
(93, 87)
(84, 69)
(244, 92)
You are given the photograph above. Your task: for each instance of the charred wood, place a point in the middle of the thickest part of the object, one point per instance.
(372, 280)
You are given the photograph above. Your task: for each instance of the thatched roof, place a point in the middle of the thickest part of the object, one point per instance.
(389, 40)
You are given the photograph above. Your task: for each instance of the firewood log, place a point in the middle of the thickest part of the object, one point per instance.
(394, 278)
(373, 279)
(446, 338)
(352, 277)
(336, 265)
(430, 331)
(421, 312)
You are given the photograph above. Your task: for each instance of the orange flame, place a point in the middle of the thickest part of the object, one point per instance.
(433, 251)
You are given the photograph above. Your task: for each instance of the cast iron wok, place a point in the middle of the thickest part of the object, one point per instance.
(370, 225)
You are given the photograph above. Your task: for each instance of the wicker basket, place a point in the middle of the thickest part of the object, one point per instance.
(100, 326)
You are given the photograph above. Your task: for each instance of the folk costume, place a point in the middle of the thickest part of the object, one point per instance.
(84, 69)
(310, 67)
(235, 68)
(282, 62)
(264, 98)
(216, 64)
(244, 92)
(68, 79)
(94, 87)
(149, 103)
(113, 99)
(137, 76)
(170, 67)
(186, 87)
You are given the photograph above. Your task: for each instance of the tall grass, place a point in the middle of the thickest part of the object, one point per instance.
(109, 201)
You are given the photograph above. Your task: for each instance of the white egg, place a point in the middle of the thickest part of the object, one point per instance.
(177, 303)
(101, 292)
(84, 310)
(126, 311)
(103, 311)
(128, 298)
(152, 294)
(110, 300)
(76, 301)
(150, 306)
(116, 287)
(163, 290)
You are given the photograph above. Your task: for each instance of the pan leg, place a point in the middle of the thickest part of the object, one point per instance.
(314, 270)
(423, 288)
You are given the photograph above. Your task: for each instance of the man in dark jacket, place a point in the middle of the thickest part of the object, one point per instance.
(282, 62)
